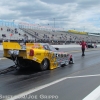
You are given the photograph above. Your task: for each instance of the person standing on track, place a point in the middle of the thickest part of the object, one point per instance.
(83, 45)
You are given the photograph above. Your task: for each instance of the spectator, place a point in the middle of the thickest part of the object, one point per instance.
(25, 38)
(3, 35)
(1, 28)
(11, 35)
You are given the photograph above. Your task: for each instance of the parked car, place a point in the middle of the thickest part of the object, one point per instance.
(90, 45)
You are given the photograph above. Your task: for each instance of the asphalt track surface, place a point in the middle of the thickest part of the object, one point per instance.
(81, 78)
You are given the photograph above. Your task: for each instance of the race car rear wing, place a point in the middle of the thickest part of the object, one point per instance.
(19, 47)
(9, 46)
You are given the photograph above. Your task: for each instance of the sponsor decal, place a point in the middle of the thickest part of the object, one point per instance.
(45, 53)
(49, 54)
(38, 53)
(34, 59)
(36, 45)
(53, 56)
(28, 53)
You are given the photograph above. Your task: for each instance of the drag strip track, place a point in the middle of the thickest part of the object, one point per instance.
(15, 83)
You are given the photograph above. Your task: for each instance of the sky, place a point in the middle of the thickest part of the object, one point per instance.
(81, 15)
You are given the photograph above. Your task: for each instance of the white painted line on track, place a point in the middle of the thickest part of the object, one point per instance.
(47, 85)
(93, 95)
(2, 58)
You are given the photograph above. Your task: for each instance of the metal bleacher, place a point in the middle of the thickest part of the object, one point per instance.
(44, 35)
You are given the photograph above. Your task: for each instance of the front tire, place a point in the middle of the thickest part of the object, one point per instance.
(44, 65)
(71, 61)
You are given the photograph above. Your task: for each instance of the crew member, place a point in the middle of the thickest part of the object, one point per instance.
(83, 45)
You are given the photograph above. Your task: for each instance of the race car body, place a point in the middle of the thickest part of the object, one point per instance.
(41, 55)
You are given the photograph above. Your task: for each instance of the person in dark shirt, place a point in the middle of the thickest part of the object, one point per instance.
(83, 45)
(1, 28)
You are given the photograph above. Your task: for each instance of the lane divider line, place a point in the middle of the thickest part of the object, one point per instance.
(2, 58)
(18, 96)
(94, 95)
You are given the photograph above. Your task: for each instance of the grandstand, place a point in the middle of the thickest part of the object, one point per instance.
(44, 35)
(84, 35)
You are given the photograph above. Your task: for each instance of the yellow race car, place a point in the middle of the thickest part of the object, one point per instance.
(39, 55)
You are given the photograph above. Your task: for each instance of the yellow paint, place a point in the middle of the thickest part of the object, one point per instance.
(11, 45)
(39, 52)
(77, 32)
